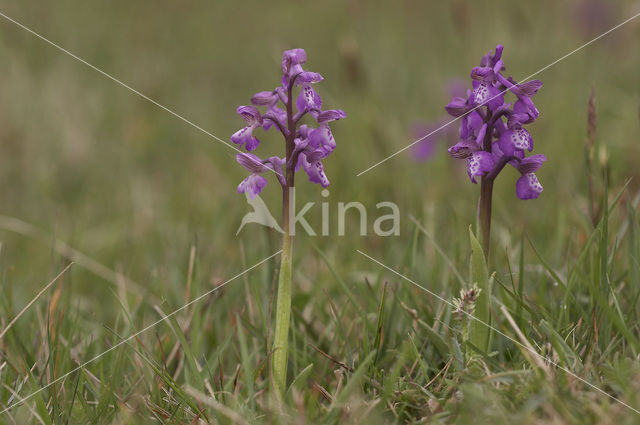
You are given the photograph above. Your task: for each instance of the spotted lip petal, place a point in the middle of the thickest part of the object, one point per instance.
(485, 93)
(245, 137)
(315, 171)
(515, 140)
(478, 164)
(322, 138)
(528, 187)
(308, 99)
(252, 185)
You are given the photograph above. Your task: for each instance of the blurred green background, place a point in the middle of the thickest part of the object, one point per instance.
(133, 187)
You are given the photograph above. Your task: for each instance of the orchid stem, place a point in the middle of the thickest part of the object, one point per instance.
(283, 303)
(484, 214)
(283, 309)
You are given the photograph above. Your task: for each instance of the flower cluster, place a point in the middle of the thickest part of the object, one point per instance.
(492, 132)
(306, 146)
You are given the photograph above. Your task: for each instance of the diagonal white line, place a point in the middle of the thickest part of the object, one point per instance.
(531, 350)
(114, 79)
(33, 300)
(129, 338)
(500, 94)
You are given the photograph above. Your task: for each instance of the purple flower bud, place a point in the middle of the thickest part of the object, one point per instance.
(264, 98)
(457, 107)
(308, 77)
(463, 149)
(252, 163)
(531, 164)
(251, 115)
(331, 115)
(292, 58)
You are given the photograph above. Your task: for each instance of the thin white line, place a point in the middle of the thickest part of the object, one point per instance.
(175, 114)
(500, 94)
(531, 350)
(33, 300)
(138, 333)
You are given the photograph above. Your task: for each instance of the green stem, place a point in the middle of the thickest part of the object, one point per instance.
(283, 303)
(484, 214)
(283, 317)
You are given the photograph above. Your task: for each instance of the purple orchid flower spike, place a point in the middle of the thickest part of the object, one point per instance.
(492, 133)
(306, 146)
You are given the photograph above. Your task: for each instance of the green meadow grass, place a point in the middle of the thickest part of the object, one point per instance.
(146, 208)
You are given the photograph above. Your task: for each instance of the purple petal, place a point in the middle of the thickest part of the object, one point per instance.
(264, 98)
(524, 107)
(309, 77)
(316, 155)
(292, 57)
(274, 113)
(315, 171)
(482, 73)
(245, 137)
(528, 187)
(463, 149)
(252, 185)
(308, 98)
(331, 115)
(252, 163)
(497, 67)
(303, 131)
(457, 107)
(250, 114)
(531, 163)
(478, 164)
(322, 138)
(517, 139)
(489, 59)
(498, 54)
(470, 124)
(277, 164)
(530, 88)
(486, 94)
